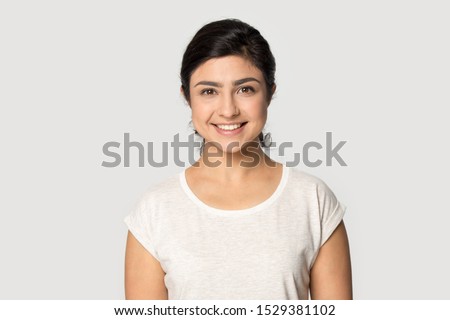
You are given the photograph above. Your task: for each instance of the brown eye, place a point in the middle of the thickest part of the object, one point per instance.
(207, 92)
(247, 90)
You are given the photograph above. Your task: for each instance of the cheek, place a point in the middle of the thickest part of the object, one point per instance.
(199, 115)
(257, 109)
(199, 105)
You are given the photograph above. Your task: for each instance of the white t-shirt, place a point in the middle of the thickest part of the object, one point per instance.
(263, 252)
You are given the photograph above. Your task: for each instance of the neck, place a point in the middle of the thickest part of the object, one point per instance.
(238, 165)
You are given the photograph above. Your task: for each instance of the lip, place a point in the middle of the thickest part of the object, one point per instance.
(229, 133)
(228, 124)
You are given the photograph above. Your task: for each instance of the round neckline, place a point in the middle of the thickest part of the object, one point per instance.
(262, 205)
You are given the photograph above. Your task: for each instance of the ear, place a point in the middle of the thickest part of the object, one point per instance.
(182, 91)
(272, 91)
(274, 87)
(184, 96)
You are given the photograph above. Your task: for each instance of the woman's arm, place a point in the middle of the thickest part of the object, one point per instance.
(331, 275)
(144, 277)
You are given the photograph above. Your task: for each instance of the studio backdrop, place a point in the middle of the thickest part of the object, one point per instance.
(367, 83)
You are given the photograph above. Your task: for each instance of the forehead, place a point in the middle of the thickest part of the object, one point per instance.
(226, 68)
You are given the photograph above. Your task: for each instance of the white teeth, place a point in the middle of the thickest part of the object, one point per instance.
(229, 127)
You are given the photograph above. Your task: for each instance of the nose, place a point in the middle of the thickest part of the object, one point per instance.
(228, 107)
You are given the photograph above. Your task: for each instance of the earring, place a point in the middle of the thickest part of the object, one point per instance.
(265, 140)
(202, 146)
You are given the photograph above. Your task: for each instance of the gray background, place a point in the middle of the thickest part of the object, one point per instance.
(77, 74)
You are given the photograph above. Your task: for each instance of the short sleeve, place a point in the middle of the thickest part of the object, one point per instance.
(330, 209)
(330, 214)
(139, 222)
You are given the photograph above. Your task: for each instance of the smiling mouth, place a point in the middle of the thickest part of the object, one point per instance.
(230, 127)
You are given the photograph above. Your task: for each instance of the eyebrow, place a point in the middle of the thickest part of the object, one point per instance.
(236, 83)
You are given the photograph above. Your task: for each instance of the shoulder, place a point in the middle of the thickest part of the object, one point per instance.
(306, 181)
(319, 201)
(311, 189)
(161, 192)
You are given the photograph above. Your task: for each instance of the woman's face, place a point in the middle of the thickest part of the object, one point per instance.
(228, 91)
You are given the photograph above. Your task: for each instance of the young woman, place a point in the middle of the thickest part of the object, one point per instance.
(236, 224)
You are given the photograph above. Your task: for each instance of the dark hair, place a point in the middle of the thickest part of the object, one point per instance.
(223, 38)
